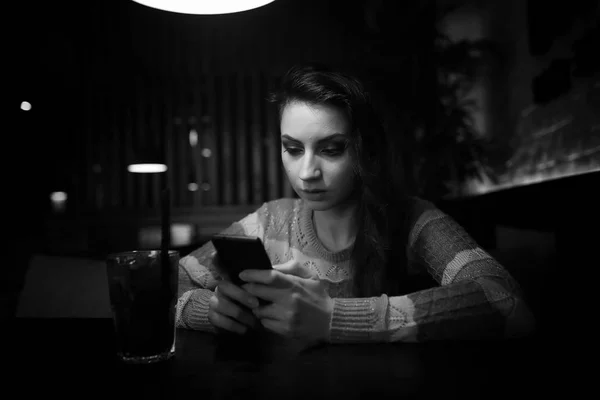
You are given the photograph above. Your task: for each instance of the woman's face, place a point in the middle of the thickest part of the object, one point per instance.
(315, 153)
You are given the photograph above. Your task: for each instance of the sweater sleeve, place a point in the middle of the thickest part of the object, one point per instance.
(476, 297)
(198, 275)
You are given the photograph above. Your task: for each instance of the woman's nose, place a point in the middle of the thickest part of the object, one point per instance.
(309, 169)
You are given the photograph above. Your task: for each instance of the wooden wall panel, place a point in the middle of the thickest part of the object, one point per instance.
(224, 101)
(233, 122)
(144, 74)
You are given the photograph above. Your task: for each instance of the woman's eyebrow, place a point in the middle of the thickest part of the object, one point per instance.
(325, 139)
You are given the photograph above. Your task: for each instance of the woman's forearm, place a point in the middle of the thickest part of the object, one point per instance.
(469, 309)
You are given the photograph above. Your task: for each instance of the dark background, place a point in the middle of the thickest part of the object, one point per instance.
(106, 78)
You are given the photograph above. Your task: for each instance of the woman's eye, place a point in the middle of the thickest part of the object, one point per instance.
(332, 151)
(292, 151)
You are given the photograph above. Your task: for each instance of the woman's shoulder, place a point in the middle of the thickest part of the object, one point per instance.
(419, 212)
(280, 211)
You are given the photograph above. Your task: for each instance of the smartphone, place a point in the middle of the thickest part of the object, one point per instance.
(237, 253)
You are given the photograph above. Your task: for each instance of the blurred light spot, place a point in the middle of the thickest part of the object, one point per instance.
(151, 236)
(206, 119)
(206, 186)
(58, 196)
(192, 186)
(97, 168)
(59, 201)
(206, 153)
(146, 168)
(25, 106)
(193, 137)
(181, 234)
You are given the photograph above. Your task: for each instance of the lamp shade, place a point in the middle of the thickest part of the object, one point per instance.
(204, 7)
(146, 160)
(146, 168)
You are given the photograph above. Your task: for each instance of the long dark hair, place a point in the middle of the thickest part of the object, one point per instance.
(379, 254)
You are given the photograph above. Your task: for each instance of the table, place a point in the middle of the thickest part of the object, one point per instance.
(75, 358)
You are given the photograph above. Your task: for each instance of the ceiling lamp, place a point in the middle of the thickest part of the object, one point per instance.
(204, 7)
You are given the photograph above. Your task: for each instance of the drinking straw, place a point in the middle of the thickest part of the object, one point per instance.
(165, 203)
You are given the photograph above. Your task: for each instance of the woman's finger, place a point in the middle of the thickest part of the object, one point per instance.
(237, 293)
(230, 309)
(265, 292)
(271, 311)
(294, 267)
(275, 326)
(224, 322)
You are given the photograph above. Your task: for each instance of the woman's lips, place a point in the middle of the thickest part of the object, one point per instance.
(313, 195)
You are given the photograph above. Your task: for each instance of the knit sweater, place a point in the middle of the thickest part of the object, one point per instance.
(475, 297)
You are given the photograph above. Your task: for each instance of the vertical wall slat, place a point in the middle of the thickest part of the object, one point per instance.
(211, 163)
(89, 133)
(182, 141)
(273, 158)
(104, 149)
(141, 187)
(257, 133)
(121, 151)
(128, 143)
(155, 129)
(177, 112)
(241, 142)
(287, 188)
(96, 144)
(177, 127)
(227, 149)
(168, 126)
(115, 165)
(218, 185)
(196, 161)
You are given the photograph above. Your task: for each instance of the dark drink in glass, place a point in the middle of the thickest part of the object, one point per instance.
(143, 297)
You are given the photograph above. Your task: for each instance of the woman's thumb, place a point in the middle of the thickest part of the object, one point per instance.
(294, 267)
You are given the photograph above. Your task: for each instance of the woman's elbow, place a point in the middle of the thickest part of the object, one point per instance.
(520, 322)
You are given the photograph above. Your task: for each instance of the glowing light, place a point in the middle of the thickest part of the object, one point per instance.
(192, 186)
(204, 6)
(25, 106)
(58, 197)
(181, 235)
(485, 185)
(59, 201)
(147, 168)
(206, 153)
(554, 141)
(206, 186)
(193, 138)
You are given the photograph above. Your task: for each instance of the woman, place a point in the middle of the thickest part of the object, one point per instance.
(345, 252)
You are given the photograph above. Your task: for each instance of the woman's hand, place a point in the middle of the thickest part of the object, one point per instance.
(226, 314)
(300, 305)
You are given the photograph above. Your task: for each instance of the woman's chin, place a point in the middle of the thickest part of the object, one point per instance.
(316, 205)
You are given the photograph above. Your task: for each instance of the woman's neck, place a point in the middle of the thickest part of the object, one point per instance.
(336, 227)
